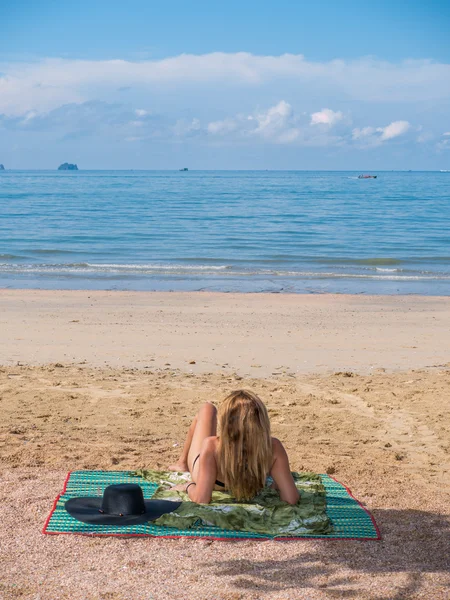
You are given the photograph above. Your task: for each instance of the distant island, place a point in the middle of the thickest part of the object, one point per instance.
(2, 168)
(67, 167)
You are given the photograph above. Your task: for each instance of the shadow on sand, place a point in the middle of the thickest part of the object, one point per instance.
(414, 544)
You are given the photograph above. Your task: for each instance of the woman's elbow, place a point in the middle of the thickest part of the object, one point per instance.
(291, 498)
(201, 498)
(293, 501)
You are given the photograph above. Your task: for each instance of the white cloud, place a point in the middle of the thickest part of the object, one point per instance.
(289, 136)
(274, 121)
(99, 120)
(326, 117)
(276, 124)
(444, 144)
(49, 83)
(393, 130)
(446, 133)
(29, 116)
(222, 127)
(364, 132)
(374, 136)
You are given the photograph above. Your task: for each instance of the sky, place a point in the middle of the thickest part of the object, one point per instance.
(236, 85)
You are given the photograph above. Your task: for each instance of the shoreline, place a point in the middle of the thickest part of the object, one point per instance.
(249, 334)
(221, 292)
(341, 286)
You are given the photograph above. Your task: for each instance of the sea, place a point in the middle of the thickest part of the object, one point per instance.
(228, 231)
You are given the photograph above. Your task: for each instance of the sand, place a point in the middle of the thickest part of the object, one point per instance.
(89, 387)
(251, 334)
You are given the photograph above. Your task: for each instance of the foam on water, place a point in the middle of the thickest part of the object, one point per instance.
(387, 270)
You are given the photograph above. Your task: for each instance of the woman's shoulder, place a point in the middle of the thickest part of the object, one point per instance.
(277, 446)
(210, 443)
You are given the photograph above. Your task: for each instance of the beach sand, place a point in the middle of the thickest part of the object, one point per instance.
(356, 386)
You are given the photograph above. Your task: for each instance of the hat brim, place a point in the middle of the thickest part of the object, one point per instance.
(87, 510)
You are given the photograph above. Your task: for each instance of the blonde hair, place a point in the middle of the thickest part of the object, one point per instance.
(245, 444)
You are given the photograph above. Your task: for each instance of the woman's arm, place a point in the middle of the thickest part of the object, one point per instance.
(281, 474)
(201, 491)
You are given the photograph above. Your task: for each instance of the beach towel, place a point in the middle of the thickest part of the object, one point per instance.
(349, 519)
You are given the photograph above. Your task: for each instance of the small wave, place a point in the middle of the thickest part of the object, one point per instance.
(110, 268)
(10, 256)
(156, 267)
(345, 260)
(387, 277)
(387, 270)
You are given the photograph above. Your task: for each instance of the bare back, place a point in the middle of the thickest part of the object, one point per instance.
(207, 467)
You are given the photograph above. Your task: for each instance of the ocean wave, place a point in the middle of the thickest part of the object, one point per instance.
(410, 260)
(387, 277)
(189, 271)
(156, 267)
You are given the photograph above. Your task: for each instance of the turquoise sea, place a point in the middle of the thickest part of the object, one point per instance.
(245, 231)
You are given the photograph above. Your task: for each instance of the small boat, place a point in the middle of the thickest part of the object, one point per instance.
(367, 176)
(185, 169)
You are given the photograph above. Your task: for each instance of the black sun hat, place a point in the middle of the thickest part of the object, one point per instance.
(121, 504)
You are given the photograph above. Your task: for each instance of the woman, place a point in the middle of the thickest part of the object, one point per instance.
(240, 457)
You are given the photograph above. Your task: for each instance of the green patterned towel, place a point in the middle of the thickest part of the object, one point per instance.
(266, 514)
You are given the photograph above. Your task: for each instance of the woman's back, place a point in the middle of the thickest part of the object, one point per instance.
(240, 457)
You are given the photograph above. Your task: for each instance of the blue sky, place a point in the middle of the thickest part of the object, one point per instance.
(323, 85)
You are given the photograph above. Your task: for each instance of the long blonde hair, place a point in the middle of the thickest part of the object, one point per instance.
(245, 444)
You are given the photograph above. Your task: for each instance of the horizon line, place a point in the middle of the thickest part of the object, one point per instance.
(177, 170)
